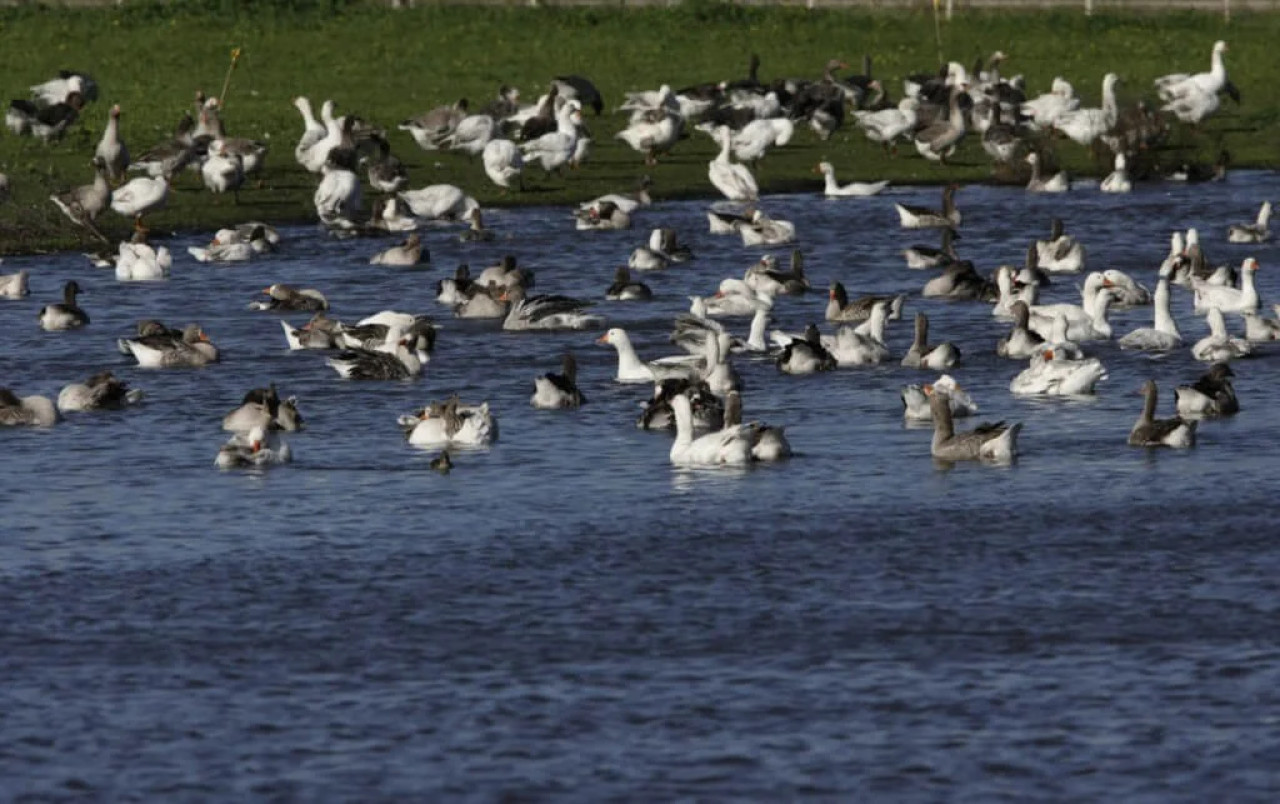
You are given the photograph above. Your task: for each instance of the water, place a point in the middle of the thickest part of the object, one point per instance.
(565, 616)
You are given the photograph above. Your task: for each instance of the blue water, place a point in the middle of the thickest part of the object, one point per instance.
(567, 617)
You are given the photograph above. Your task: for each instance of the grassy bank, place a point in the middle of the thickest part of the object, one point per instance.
(387, 66)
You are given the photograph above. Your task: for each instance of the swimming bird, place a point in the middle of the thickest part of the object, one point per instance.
(1219, 346)
(285, 297)
(768, 442)
(162, 350)
(806, 355)
(924, 355)
(624, 288)
(1117, 181)
(839, 308)
(996, 442)
(606, 217)
(631, 369)
(408, 253)
(552, 391)
(1060, 253)
(1022, 342)
(27, 411)
(252, 451)
(924, 256)
(1257, 232)
(916, 217)
(138, 261)
(1163, 334)
(730, 446)
(102, 391)
(399, 363)
(1211, 395)
(235, 245)
(546, 312)
(1050, 374)
(833, 189)
(1148, 431)
(67, 315)
(442, 463)
(916, 406)
(960, 280)
(1057, 183)
(263, 407)
(763, 230)
(1243, 299)
(450, 424)
(14, 286)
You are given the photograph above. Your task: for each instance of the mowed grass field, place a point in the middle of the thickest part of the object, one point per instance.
(389, 65)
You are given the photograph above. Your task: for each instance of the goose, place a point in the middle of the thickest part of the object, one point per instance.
(252, 451)
(806, 355)
(170, 157)
(553, 391)
(1043, 111)
(554, 149)
(430, 128)
(708, 410)
(48, 123)
(102, 391)
(923, 355)
(767, 279)
(451, 424)
(286, 297)
(503, 163)
(752, 141)
(1211, 395)
(439, 202)
(66, 315)
(864, 344)
(263, 407)
(383, 331)
(315, 334)
(14, 286)
(1060, 253)
(1084, 322)
(1197, 268)
(83, 204)
(1050, 374)
(408, 253)
(1243, 299)
(987, 442)
(913, 217)
(693, 332)
(1176, 85)
(1148, 431)
(1118, 180)
(766, 231)
(663, 248)
(506, 274)
(833, 189)
(1256, 232)
(626, 289)
(633, 370)
(1257, 328)
(960, 280)
(399, 362)
(887, 125)
(1000, 140)
(546, 312)
(603, 218)
(1057, 183)
(1022, 342)
(138, 261)
(1164, 334)
(164, 351)
(1218, 346)
(581, 89)
(57, 90)
(768, 443)
(938, 140)
(734, 181)
(921, 256)
(653, 133)
(627, 202)
(730, 446)
(1086, 125)
(475, 231)
(111, 148)
(471, 134)
(734, 297)
(313, 131)
(839, 308)
(338, 198)
(1125, 291)
(458, 288)
(27, 411)
(726, 222)
(916, 406)
(234, 245)
(718, 373)
(140, 195)
(1011, 290)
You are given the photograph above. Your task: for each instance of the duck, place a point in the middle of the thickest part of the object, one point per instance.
(162, 350)
(439, 202)
(1243, 299)
(1257, 232)
(886, 126)
(1060, 253)
(553, 391)
(996, 442)
(914, 217)
(923, 355)
(839, 308)
(450, 424)
(631, 369)
(1148, 431)
(605, 217)
(916, 406)
(919, 257)
(730, 446)
(1117, 181)
(83, 204)
(767, 279)
(67, 315)
(263, 407)
(1086, 125)
(252, 451)
(938, 140)
(27, 411)
(806, 355)
(733, 180)
(111, 148)
(102, 391)
(1163, 335)
(408, 253)
(833, 189)
(624, 288)
(763, 230)
(1211, 395)
(768, 442)
(1218, 346)
(1022, 342)
(1057, 183)
(14, 286)
(138, 261)
(285, 297)
(960, 280)
(546, 312)
(139, 196)
(1051, 374)
(396, 362)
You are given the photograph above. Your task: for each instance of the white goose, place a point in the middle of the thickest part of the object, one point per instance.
(555, 149)
(1010, 294)
(1227, 299)
(1125, 290)
(1177, 85)
(257, 449)
(1218, 346)
(833, 189)
(140, 262)
(1085, 321)
(915, 400)
(1086, 125)
(754, 139)
(1050, 374)
(1164, 334)
(439, 202)
(1060, 253)
(1057, 183)
(728, 447)
(14, 286)
(503, 163)
(312, 132)
(451, 424)
(631, 369)
(733, 180)
(338, 197)
(1118, 180)
(139, 196)
(1257, 232)
(887, 125)
(864, 344)
(652, 134)
(766, 231)
(1043, 111)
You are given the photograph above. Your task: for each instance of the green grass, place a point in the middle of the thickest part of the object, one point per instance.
(387, 66)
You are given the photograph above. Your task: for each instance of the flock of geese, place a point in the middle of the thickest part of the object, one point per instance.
(696, 393)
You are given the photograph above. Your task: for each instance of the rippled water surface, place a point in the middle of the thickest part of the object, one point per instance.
(566, 616)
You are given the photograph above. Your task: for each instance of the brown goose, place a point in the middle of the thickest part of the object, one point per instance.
(83, 204)
(1148, 431)
(839, 308)
(988, 442)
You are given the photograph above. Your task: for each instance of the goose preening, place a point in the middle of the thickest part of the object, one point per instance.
(1057, 183)
(138, 261)
(286, 297)
(1163, 335)
(733, 179)
(338, 198)
(1086, 125)
(1060, 253)
(721, 221)
(503, 163)
(996, 442)
(753, 141)
(768, 280)
(1211, 395)
(240, 244)
(1086, 320)
(1148, 431)
(450, 424)
(1022, 342)
(430, 128)
(15, 286)
(806, 355)
(545, 312)
(656, 413)
(167, 349)
(553, 391)
(408, 253)
(768, 442)
(663, 249)
(223, 169)
(855, 189)
(1043, 111)
(1257, 328)
(67, 315)
(48, 123)
(263, 407)
(624, 288)
(730, 446)
(381, 332)
(315, 334)
(762, 230)
(1117, 181)
(1125, 290)
(627, 202)
(27, 411)
(1051, 374)
(603, 217)
(1012, 290)
(924, 355)
(57, 90)
(1219, 346)
(439, 202)
(916, 405)
(255, 450)
(102, 391)
(654, 132)
(1227, 299)
(922, 256)
(1257, 232)
(916, 217)
(398, 362)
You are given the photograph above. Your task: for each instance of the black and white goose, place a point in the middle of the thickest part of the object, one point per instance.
(102, 391)
(918, 217)
(66, 315)
(1211, 395)
(554, 391)
(806, 355)
(1148, 431)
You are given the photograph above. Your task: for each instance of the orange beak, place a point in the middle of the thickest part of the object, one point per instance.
(603, 338)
